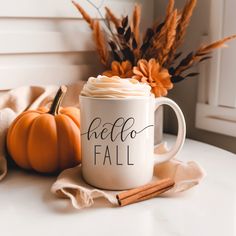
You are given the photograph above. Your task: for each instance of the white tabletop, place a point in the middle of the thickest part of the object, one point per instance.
(28, 208)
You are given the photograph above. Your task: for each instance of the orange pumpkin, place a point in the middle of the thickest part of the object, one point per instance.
(46, 141)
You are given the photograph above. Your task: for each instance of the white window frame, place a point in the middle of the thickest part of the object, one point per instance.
(209, 114)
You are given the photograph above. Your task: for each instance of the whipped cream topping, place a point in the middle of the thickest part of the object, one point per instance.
(115, 87)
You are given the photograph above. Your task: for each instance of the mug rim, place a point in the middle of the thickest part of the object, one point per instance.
(118, 99)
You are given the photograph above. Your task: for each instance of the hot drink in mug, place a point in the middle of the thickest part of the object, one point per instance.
(117, 128)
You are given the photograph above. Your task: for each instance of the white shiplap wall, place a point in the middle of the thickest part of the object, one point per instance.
(47, 42)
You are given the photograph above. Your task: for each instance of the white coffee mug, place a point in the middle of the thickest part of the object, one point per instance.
(118, 140)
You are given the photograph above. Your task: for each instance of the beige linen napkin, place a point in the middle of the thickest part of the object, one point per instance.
(15, 101)
(70, 183)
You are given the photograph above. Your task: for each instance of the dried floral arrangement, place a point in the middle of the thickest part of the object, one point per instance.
(153, 58)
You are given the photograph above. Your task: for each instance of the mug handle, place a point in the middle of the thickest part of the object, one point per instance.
(160, 158)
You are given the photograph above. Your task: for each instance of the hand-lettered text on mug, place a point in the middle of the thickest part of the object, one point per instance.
(118, 132)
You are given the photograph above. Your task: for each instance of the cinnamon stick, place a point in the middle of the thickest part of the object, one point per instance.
(144, 192)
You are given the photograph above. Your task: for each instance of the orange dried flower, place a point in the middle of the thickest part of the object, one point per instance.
(123, 69)
(152, 73)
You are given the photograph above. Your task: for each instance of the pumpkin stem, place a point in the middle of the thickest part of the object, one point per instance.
(57, 100)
